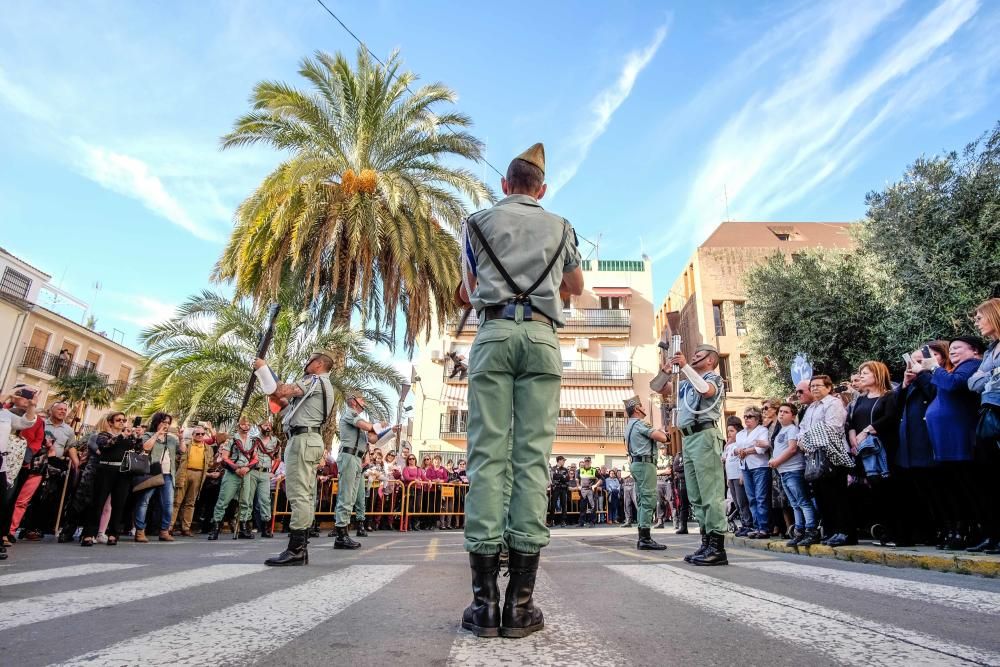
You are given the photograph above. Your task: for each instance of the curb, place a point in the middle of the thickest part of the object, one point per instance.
(985, 566)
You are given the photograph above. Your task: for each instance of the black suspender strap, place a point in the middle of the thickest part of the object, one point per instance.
(518, 292)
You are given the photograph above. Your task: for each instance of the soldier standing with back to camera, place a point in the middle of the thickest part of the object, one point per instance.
(518, 259)
(640, 441)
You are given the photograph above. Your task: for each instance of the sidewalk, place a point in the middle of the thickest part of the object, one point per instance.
(925, 558)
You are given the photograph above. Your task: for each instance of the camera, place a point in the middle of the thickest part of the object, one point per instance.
(841, 388)
(24, 392)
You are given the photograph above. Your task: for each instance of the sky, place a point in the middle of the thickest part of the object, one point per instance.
(660, 120)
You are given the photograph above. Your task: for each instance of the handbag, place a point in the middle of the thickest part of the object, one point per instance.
(818, 465)
(988, 428)
(135, 463)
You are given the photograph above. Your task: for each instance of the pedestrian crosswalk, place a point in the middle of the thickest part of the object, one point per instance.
(777, 601)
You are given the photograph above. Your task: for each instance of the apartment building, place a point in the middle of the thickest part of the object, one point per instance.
(609, 353)
(707, 301)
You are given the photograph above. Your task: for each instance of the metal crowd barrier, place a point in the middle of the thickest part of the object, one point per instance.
(384, 499)
(573, 506)
(429, 499)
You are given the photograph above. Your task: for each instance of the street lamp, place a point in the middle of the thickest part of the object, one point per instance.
(404, 389)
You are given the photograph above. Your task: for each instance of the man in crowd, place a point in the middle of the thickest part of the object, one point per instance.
(587, 475)
(629, 499)
(640, 439)
(560, 490)
(699, 408)
(239, 457)
(17, 415)
(664, 490)
(268, 458)
(191, 471)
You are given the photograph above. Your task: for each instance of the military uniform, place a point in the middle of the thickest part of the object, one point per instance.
(518, 253)
(350, 485)
(664, 490)
(259, 479)
(642, 450)
(241, 455)
(698, 419)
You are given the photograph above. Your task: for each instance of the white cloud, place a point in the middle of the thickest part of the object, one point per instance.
(133, 178)
(783, 143)
(23, 100)
(603, 108)
(145, 311)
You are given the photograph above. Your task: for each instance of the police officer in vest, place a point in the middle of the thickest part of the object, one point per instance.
(239, 459)
(700, 398)
(356, 433)
(310, 402)
(640, 440)
(518, 262)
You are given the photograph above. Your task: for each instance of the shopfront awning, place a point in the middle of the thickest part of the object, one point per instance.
(570, 398)
(613, 291)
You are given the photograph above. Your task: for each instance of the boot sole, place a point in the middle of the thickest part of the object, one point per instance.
(659, 547)
(518, 633)
(344, 546)
(704, 564)
(480, 631)
(288, 564)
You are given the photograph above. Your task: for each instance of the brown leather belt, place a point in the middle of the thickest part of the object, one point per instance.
(496, 313)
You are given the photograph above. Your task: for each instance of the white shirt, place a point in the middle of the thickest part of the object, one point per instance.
(10, 422)
(782, 442)
(732, 461)
(746, 439)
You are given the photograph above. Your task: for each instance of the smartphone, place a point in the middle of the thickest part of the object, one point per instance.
(926, 351)
(136, 422)
(908, 360)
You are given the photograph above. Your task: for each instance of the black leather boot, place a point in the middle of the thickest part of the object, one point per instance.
(715, 552)
(482, 617)
(646, 542)
(265, 530)
(809, 538)
(314, 529)
(797, 537)
(361, 532)
(986, 545)
(701, 549)
(296, 553)
(520, 616)
(246, 530)
(344, 540)
(213, 531)
(683, 529)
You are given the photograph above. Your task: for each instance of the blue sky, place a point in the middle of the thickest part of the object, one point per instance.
(111, 114)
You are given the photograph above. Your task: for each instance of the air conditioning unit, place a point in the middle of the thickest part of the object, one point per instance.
(435, 355)
(582, 344)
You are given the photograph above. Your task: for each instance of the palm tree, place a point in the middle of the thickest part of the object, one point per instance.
(360, 211)
(198, 363)
(82, 389)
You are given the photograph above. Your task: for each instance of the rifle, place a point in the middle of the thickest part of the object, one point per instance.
(263, 344)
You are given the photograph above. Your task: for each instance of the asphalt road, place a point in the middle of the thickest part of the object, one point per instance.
(399, 599)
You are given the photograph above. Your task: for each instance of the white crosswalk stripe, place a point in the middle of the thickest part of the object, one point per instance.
(557, 644)
(286, 613)
(840, 636)
(952, 596)
(33, 576)
(49, 607)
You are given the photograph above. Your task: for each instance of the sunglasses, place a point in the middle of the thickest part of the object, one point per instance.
(119, 419)
(197, 435)
(749, 416)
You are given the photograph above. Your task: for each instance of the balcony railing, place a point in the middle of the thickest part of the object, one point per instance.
(50, 364)
(587, 320)
(597, 373)
(610, 429)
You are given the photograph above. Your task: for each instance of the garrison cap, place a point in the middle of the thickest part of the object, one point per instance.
(705, 347)
(326, 352)
(632, 403)
(534, 155)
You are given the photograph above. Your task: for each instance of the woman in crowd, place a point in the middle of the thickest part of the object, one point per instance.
(436, 475)
(872, 431)
(916, 490)
(790, 466)
(108, 446)
(781, 512)
(413, 477)
(163, 449)
(822, 427)
(753, 446)
(986, 382)
(951, 421)
(613, 485)
(734, 477)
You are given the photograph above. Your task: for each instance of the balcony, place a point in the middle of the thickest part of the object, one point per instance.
(587, 321)
(605, 429)
(47, 365)
(586, 373)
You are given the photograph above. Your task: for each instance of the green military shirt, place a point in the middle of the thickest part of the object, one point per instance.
(663, 462)
(266, 452)
(308, 409)
(524, 236)
(240, 453)
(639, 442)
(350, 434)
(694, 408)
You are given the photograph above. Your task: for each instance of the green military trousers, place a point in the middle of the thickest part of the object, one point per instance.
(361, 497)
(260, 485)
(514, 376)
(349, 471)
(302, 456)
(233, 484)
(645, 491)
(705, 479)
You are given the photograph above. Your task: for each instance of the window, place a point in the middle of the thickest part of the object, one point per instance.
(93, 359)
(15, 283)
(612, 303)
(566, 417)
(725, 372)
(568, 354)
(740, 309)
(614, 423)
(615, 362)
(457, 419)
(745, 371)
(783, 236)
(720, 320)
(39, 339)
